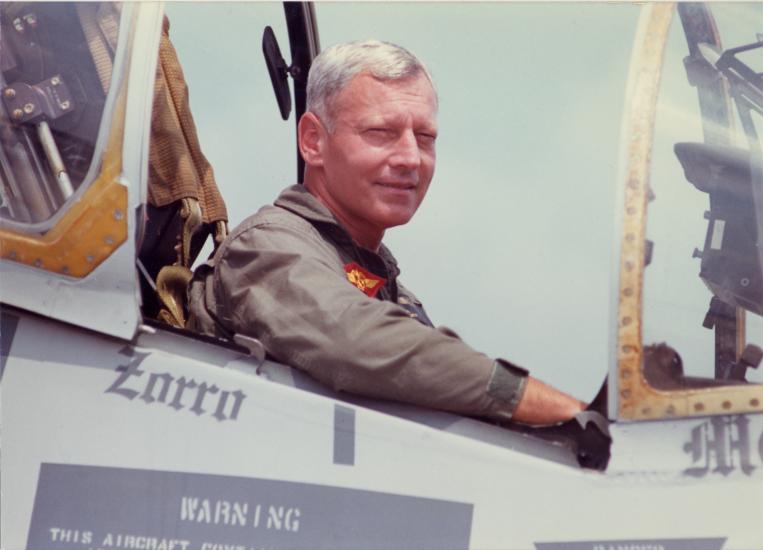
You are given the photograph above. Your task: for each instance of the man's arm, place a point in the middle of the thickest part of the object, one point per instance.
(543, 404)
(280, 285)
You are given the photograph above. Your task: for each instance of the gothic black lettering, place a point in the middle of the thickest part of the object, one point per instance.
(148, 394)
(182, 384)
(203, 390)
(720, 445)
(128, 371)
(187, 393)
(238, 399)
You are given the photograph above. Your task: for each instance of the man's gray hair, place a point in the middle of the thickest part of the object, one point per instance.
(334, 67)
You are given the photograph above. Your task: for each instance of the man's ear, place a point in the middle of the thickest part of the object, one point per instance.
(312, 136)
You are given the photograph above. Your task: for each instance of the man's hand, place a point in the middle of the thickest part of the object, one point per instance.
(541, 404)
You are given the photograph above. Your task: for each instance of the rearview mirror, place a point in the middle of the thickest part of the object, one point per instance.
(278, 70)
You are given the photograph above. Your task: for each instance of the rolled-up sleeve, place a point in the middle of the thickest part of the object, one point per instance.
(283, 286)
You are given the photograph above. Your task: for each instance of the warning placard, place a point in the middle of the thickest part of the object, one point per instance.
(98, 508)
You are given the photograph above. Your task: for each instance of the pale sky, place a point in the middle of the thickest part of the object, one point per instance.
(513, 245)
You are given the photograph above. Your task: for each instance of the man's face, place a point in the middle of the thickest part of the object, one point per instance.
(380, 158)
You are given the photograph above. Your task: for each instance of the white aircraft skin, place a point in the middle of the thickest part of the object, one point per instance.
(122, 435)
(353, 476)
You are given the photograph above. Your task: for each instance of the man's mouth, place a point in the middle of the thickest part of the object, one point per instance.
(400, 185)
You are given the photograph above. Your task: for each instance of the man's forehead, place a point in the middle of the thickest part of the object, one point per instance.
(365, 83)
(364, 92)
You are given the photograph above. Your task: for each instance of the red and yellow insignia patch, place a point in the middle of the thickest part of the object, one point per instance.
(367, 282)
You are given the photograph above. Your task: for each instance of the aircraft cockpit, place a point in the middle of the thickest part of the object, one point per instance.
(628, 271)
(703, 224)
(695, 209)
(55, 86)
(64, 96)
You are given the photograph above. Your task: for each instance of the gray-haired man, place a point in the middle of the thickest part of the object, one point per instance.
(310, 277)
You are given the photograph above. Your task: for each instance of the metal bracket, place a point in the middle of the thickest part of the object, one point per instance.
(700, 72)
(48, 100)
(750, 359)
(254, 346)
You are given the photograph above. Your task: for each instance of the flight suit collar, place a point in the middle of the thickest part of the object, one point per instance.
(299, 200)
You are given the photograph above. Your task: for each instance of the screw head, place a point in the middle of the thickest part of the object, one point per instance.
(18, 24)
(29, 108)
(17, 113)
(65, 105)
(10, 93)
(55, 81)
(745, 282)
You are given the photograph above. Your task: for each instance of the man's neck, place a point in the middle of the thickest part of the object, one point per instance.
(361, 236)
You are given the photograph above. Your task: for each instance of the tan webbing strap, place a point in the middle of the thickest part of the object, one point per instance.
(96, 43)
(108, 21)
(190, 212)
(177, 167)
(172, 280)
(221, 231)
(179, 171)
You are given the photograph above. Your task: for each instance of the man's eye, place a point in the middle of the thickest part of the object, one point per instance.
(378, 131)
(426, 138)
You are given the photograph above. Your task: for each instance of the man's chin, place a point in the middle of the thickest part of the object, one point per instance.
(395, 218)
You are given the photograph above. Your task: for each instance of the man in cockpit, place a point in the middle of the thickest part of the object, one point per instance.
(310, 278)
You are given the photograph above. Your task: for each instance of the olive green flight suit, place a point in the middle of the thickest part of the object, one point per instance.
(281, 277)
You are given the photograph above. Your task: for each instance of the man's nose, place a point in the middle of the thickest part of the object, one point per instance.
(407, 153)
